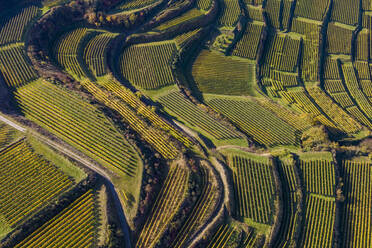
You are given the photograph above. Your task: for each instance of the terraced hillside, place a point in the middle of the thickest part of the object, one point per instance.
(185, 123)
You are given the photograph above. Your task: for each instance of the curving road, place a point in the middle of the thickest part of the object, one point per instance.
(85, 162)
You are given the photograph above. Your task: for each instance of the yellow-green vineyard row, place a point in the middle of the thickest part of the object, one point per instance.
(15, 67)
(27, 182)
(357, 222)
(163, 145)
(166, 206)
(230, 13)
(11, 30)
(134, 4)
(259, 123)
(132, 100)
(221, 238)
(178, 104)
(77, 122)
(189, 15)
(247, 47)
(311, 9)
(148, 65)
(74, 227)
(213, 71)
(204, 206)
(66, 51)
(254, 188)
(95, 53)
(319, 176)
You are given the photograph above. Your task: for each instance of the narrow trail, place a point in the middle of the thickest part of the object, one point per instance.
(85, 162)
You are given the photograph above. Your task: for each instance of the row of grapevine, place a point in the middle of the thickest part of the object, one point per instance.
(204, 4)
(202, 209)
(75, 227)
(362, 45)
(184, 38)
(222, 237)
(15, 67)
(331, 68)
(135, 4)
(259, 123)
(353, 87)
(343, 99)
(291, 118)
(288, 233)
(310, 29)
(11, 30)
(215, 73)
(247, 46)
(336, 114)
(66, 51)
(283, 53)
(346, 11)
(149, 65)
(273, 10)
(362, 68)
(255, 13)
(253, 187)
(187, 16)
(366, 87)
(132, 100)
(319, 222)
(334, 86)
(318, 176)
(287, 13)
(311, 9)
(77, 122)
(339, 38)
(230, 13)
(195, 116)
(160, 142)
(7, 134)
(357, 220)
(166, 205)
(95, 53)
(27, 182)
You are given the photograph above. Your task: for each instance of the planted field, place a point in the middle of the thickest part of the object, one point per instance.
(311, 9)
(148, 66)
(155, 138)
(28, 183)
(230, 13)
(12, 29)
(339, 37)
(362, 45)
(254, 188)
(183, 107)
(353, 87)
(201, 211)
(337, 114)
(75, 226)
(357, 220)
(66, 51)
(95, 53)
(15, 67)
(255, 13)
(7, 134)
(78, 123)
(319, 222)
(185, 38)
(247, 47)
(222, 237)
(166, 206)
(136, 4)
(259, 123)
(219, 74)
(189, 15)
(346, 11)
(133, 101)
(273, 11)
(291, 118)
(204, 4)
(318, 176)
